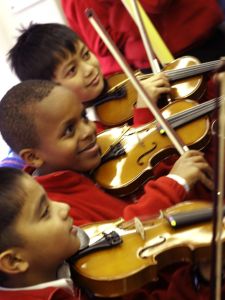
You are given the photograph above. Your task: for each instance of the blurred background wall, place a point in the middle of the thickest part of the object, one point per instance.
(15, 14)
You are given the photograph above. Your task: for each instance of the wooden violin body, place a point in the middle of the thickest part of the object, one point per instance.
(185, 75)
(117, 111)
(130, 265)
(140, 149)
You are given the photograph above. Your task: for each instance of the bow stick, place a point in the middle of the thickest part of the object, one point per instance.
(175, 139)
(216, 266)
(148, 47)
(146, 41)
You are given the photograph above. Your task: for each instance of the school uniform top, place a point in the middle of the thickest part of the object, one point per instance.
(91, 204)
(181, 24)
(61, 288)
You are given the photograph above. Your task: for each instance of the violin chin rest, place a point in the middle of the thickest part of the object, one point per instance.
(83, 237)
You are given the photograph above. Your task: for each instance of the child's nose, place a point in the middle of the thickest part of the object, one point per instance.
(87, 129)
(87, 69)
(64, 210)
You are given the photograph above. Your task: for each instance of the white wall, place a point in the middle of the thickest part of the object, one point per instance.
(13, 15)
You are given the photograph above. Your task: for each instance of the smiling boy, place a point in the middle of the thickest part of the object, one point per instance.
(66, 59)
(60, 147)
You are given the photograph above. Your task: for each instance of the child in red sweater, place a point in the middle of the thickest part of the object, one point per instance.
(67, 60)
(60, 146)
(31, 266)
(186, 29)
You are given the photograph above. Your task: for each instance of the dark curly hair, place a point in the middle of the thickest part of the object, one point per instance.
(17, 113)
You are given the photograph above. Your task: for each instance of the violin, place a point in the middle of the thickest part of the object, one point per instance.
(129, 154)
(181, 233)
(185, 75)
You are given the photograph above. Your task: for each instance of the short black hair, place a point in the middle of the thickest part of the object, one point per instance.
(40, 48)
(12, 197)
(11, 203)
(17, 113)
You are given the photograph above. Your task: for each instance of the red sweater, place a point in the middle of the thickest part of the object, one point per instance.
(90, 204)
(180, 24)
(181, 287)
(50, 293)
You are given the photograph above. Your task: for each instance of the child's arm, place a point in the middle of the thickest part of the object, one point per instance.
(164, 192)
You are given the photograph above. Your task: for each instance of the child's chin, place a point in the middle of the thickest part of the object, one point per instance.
(91, 165)
(94, 164)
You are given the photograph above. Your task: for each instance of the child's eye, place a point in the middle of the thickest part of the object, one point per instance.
(71, 72)
(70, 129)
(86, 55)
(46, 212)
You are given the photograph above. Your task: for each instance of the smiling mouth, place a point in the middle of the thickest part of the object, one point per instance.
(89, 146)
(94, 81)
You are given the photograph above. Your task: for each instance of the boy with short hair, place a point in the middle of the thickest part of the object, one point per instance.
(60, 146)
(31, 266)
(66, 59)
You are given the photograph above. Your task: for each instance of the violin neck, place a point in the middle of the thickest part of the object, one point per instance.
(187, 72)
(195, 112)
(192, 70)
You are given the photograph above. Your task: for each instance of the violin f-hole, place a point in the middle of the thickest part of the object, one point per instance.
(139, 162)
(145, 253)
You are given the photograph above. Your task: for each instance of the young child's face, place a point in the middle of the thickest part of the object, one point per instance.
(67, 138)
(81, 73)
(46, 229)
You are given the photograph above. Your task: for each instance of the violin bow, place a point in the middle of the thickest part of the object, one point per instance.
(147, 44)
(216, 265)
(163, 53)
(166, 128)
(146, 41)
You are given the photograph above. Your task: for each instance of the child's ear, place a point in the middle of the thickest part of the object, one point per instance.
(12, 263)
(31, 157)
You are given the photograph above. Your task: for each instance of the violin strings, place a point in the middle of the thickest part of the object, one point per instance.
(173, 74)
(191, 70)
(194, 112)
(176, 120)
(181, 117)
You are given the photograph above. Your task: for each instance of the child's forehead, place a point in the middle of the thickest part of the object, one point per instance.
(61, 94)
(29, 184)
(33, 192)
(60, 104)
(78, 47)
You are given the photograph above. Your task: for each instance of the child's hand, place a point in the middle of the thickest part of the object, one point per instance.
(155, 86)
(193, 167)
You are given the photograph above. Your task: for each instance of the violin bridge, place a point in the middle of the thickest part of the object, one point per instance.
(139, 227)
